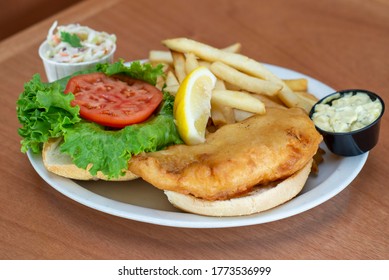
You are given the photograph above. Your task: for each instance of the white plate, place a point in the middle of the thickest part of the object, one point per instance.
(138, 200)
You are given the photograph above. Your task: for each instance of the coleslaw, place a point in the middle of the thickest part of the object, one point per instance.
(74, 43)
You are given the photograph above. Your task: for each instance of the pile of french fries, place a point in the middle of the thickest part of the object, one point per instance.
(244, 86)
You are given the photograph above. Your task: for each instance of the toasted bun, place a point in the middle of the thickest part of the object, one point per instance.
(259, 199)
(61, 164)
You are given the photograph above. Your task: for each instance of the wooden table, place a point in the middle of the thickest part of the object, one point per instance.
(344, 44)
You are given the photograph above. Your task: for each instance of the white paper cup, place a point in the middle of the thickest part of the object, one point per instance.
(57, 70)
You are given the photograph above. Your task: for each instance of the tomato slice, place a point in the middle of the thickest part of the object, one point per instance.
(114, 101)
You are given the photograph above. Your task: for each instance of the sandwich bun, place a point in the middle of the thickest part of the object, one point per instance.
(62, 165)
(261, 198)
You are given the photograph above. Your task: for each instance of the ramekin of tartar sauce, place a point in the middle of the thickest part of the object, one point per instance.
(349, 120)
(71, 48)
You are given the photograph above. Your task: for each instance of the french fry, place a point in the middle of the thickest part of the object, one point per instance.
(220, 84)
(204, 63)
(166, 56)
(172, 83)
(191, 62)
(291, 99)
(305, 94)
(171, 79)
(209, 53)
(172, 89)
(221, 115)
(240, 62)
(300, 84)
(244, 81)
(231, 86)
(238, 100)
(270, 101)
(160, 56)
(234, 48)
(159, 83)
(240, 115)
(306, 99)
(179, 65)
(161, 79)
(228, 113)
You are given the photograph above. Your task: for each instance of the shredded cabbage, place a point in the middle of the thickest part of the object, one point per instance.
(94, 44)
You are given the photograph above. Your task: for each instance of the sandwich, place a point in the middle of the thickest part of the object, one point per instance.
(72, 143)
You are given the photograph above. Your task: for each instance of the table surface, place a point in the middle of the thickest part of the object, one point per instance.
(344, 44)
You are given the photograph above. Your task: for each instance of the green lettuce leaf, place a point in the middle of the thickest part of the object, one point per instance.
(137, 70)
(44, 111)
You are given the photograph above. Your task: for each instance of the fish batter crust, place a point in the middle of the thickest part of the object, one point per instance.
(259, 150)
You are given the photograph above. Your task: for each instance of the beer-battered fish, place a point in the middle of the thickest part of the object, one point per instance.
(261, 149)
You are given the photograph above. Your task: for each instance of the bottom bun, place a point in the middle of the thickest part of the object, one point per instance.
(259, 199)
(62, 165)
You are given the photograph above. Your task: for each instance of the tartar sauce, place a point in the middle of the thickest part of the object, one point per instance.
(346, 113)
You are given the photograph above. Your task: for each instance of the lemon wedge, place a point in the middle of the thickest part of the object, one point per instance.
(192, 105)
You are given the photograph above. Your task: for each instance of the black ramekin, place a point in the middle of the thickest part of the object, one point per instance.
(355, 142)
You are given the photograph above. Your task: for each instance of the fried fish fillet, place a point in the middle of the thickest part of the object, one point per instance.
(235, 158)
